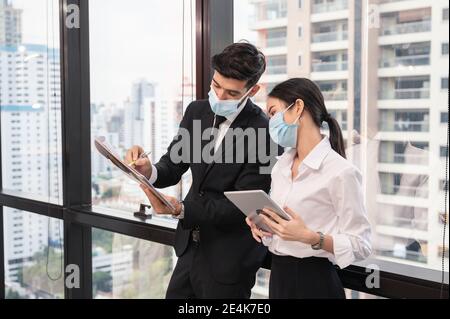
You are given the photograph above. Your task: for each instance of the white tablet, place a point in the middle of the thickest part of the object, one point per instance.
(251, 204)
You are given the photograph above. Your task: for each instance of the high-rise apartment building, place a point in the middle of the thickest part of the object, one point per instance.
(382, 67)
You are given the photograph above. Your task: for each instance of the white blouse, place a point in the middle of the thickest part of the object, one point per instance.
(327, 195)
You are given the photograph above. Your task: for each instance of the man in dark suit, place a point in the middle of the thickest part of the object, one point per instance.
(218, 257)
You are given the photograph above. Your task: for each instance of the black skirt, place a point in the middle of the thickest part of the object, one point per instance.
(303, 278)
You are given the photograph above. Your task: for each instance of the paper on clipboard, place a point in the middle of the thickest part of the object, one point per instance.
(107, 151)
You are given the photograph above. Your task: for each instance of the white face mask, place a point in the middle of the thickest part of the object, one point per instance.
(225, 107)
(282, 133)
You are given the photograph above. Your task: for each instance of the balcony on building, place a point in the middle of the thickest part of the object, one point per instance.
(322, 6)
(333, 90)
(402, 216)
(274, 38)
(398, 152)
(276, 64)
(406, 185)
(341, 117)
(404, 120)
(329, 61)
(404, 22)
(269, 14)
(330, 31)
(401, 55)
(404, 88)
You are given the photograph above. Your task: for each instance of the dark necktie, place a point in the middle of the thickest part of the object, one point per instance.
(219, 120)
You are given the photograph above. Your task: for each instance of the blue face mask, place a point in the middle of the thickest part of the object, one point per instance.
(224, 107)
(282, 133)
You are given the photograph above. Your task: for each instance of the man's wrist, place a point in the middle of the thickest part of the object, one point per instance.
(179, 211)
(153, 174)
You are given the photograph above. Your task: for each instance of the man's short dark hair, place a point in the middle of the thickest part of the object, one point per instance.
(240, 61)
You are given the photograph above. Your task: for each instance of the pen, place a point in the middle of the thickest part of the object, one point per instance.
(140, 156)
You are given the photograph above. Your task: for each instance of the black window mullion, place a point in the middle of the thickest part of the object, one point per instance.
(76, 142)
(214, 32)
(2, 246)
(2, 252)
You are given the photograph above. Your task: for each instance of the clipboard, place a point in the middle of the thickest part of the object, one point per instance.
(108, 152)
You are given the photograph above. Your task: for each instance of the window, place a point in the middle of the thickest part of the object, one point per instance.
(443, 185)
(276, 37)
(444, 48)
(387, 116)
(445, 14)
(144, 103)
(398, 162)
(319, 6)
(402, 153)
(33, 33)
(276, 64)
(413, 120)
(443, 251)
(444, 151)
(299, 31)
(444, 117)
(444, 83)
(443, 218)
(128, 268)
(34, 256)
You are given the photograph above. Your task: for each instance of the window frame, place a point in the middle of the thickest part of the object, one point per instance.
(214, 30)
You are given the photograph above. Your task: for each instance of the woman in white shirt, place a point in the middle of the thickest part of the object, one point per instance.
(321, 191)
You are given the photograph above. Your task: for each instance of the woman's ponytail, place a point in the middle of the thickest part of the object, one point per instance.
(336, 139)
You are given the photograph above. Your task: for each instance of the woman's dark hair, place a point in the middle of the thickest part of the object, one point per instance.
(300, 88)
(240, 61)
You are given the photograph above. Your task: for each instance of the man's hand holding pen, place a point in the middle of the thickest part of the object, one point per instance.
(138, 160)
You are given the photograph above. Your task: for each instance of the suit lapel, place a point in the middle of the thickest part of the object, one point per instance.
(207, 120)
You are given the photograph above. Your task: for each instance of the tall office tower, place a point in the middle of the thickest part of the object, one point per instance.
(10, 24)
(134, 112)
(162, 114)
(107, 121)
(383, 69)
(31, 144)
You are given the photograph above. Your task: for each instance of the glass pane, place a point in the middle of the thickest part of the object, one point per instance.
(129, 268)
(140, 85)
(385, 91)
(353, 294)
(34, 255)
(261, 288)
(30, 98)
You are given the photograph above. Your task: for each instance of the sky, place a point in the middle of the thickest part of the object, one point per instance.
(132, 40)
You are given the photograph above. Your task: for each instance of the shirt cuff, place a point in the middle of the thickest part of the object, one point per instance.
(343, 250)
(154, 175)
(181, 214)
(267, 240)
